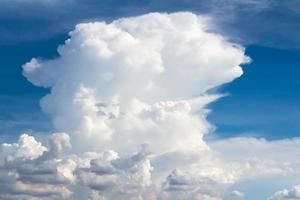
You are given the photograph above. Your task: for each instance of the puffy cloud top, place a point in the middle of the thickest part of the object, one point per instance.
(292, 194)
(115, 85)
(138, 81)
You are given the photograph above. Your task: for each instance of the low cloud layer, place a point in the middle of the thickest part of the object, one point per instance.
(32, 171)
(128, 102)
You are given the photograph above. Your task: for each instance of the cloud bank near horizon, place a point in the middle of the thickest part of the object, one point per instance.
(128, 102)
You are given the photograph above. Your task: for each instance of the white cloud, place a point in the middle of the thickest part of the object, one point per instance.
(140, 80)
(55, 174)
(269, 158)
(236, 193)
(292, 194)
(134, 78)
(29, 172)
(26, 148)
(137, 82)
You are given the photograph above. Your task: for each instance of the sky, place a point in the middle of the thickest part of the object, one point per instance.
(179, 99)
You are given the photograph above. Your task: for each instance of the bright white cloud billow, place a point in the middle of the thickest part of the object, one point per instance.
(291, 194)
(136, 80)
(132, 96)
(236, 193)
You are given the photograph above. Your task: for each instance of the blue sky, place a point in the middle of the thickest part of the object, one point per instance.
(256, 122)
(264, 102)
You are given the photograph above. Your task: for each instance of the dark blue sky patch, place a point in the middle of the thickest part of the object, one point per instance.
(264, 22)
(265, 100)
(19, 99)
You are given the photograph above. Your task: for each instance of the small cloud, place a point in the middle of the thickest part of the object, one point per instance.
(236, 193)
(287, 194)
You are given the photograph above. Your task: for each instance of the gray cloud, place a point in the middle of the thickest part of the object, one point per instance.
(32, 173)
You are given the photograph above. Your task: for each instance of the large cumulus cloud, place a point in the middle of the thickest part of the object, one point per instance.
(136, 79)
(132, 96)
(139, 81)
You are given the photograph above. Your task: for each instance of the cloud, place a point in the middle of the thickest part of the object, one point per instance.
(112, 177)
(139, 81)
(32, 171)
(259, 157)
(184, 185)
(26, 148)
(56, 174)
(293, 194)
(238, 194)
(128, 102)
(135, 78)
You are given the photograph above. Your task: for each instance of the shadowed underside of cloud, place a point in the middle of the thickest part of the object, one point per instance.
(131, 96)
(30, 170)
